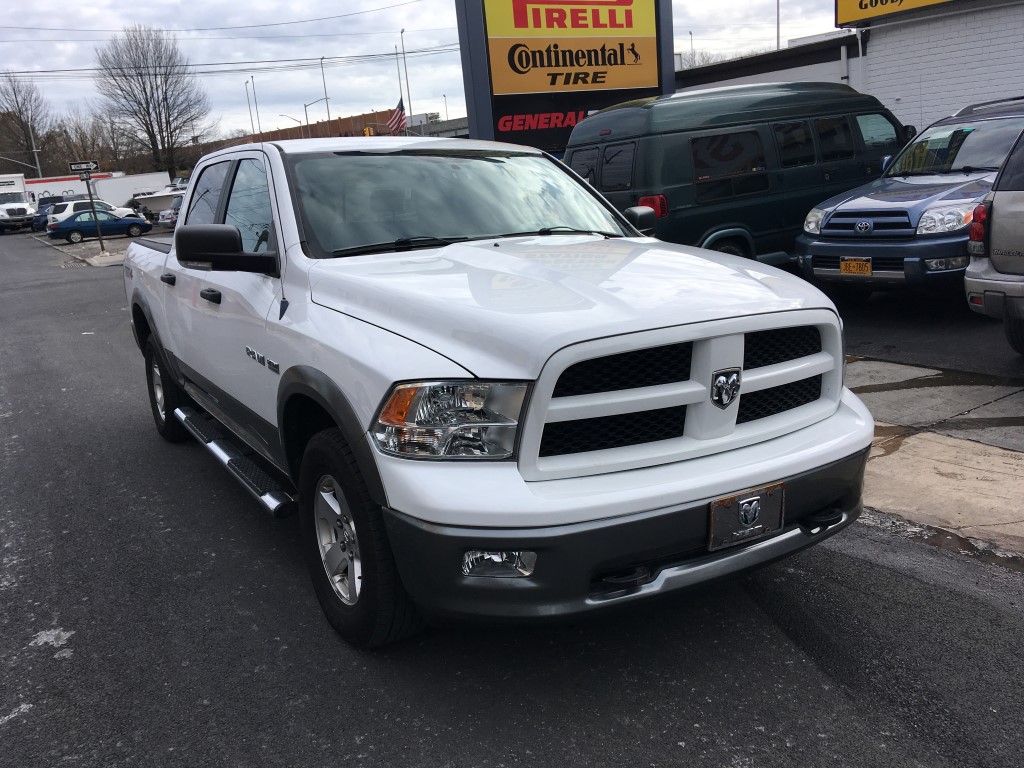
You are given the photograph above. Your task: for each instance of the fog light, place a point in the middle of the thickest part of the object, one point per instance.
(498, 565)
(957, 262)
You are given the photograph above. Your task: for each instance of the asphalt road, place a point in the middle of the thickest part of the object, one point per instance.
(151, 615)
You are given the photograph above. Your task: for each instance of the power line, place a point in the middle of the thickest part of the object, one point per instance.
(220, 29)
(22, 41)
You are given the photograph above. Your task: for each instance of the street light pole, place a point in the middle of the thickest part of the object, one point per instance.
(405, 65)
(445, 106)
(778, 26)
(252, 125)
(326, 100)
(305, 108)
(296, 120)
(35, 152)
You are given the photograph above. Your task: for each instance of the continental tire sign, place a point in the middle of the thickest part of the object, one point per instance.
(854, 12)
(545, 46)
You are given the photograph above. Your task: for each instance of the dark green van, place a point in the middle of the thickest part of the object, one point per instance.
(735, 169)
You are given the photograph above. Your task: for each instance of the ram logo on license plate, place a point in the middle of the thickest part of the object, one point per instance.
(746, 516)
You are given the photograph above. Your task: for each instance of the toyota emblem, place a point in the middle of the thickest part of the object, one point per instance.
(863, 227)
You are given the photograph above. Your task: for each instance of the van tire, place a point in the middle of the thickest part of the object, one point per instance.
(1015, 334)
(732, 247)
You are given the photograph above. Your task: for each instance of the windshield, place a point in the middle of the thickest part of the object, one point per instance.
(351, 202)
(12, 197)
(980, 145)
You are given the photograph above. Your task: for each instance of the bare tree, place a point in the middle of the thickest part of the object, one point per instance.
(693, 59)
(24, 116)
(146, 85)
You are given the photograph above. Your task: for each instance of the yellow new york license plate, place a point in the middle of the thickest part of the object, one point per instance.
(855, 265)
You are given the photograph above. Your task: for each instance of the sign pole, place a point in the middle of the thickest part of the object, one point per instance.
(84, 168)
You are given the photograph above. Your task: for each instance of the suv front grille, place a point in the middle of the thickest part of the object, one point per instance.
(882, 224)
(654, 404)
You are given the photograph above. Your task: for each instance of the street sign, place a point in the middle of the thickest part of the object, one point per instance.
(83, 165)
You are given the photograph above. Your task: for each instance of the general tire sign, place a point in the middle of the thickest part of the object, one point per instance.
(856, 12)
(535, 68)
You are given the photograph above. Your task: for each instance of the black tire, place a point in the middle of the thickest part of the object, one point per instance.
(1014, 334)
(164, 395)
(732, 247)
(363, 598)
(74, 236)
(134, 230)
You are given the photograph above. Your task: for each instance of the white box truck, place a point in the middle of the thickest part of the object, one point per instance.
(119, 190)
(15, 210)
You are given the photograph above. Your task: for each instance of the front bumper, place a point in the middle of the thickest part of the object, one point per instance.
(993, 293)
(894, 262)
(589, 566)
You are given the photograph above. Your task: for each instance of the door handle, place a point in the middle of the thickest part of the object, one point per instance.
(211, 295)
(168, 278)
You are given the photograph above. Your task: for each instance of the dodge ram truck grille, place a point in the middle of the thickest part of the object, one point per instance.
(644, 399)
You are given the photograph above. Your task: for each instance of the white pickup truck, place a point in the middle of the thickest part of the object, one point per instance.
(483, 390)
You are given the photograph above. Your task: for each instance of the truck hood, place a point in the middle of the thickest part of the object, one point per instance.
(501, 308)
(914, 194)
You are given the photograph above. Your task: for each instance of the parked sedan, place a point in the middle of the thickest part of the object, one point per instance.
(39, 220)
(81, 225)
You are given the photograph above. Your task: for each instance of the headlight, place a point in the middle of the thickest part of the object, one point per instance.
(450, 420)
(812, 224)
(945, 218)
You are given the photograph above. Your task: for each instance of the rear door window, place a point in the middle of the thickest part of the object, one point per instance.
(617, 168)
(1012, 177)
(82, 206)
(835, 138)
(728, 164)
(796, 145)
(584, 162)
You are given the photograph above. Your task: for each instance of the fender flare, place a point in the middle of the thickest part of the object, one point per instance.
(323, 390)
(733, 233)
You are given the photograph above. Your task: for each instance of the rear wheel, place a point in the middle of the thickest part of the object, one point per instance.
(164, 395)
(1015, 334)
(732, 247)
(74, 236)
(346, 548)
(134, 230)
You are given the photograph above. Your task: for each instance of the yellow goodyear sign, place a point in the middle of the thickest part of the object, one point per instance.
(548, 46)
(855, 11)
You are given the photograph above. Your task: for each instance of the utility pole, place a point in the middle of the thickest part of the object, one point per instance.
(326, 100)
(257, 103)
(408, 96)
(249, 102)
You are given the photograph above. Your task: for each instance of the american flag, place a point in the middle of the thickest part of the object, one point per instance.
(397, 122)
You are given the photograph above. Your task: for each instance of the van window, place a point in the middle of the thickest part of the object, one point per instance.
(584, 162)
(796, 147)
(835, 138)
(728, 164)
(878, 133)
(617, 168)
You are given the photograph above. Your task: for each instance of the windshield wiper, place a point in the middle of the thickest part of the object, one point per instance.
(562, 229)
(401, 244)
(973, 168)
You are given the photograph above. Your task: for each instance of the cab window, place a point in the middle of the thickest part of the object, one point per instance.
(728, 164)
(249, 205)
(202, 209)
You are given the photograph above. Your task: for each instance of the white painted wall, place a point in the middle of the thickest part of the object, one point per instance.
(932, 66)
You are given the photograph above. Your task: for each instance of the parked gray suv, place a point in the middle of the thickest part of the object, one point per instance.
(995, 277)
(909, 227)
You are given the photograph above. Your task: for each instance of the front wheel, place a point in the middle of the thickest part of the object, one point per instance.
(134, 230)
(164, 395)
(346, 548)
(74, 236)
(732, 247)
(1015, 334)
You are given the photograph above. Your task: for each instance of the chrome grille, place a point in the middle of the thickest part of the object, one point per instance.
(883, 224)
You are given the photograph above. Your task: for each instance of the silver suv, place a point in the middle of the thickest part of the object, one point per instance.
(995, 277)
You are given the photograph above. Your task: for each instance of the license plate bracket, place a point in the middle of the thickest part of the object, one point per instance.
(855, 265)
(743, 517)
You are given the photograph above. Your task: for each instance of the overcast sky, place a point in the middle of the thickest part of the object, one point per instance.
(231, 40)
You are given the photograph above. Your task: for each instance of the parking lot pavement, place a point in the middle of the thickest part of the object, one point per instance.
(948, 450)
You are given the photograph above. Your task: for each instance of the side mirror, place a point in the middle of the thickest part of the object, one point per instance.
(218, 248)
(886, 162)
(909, 132)
(642, 218)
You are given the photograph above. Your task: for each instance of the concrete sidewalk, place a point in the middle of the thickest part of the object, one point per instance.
(948, 450)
